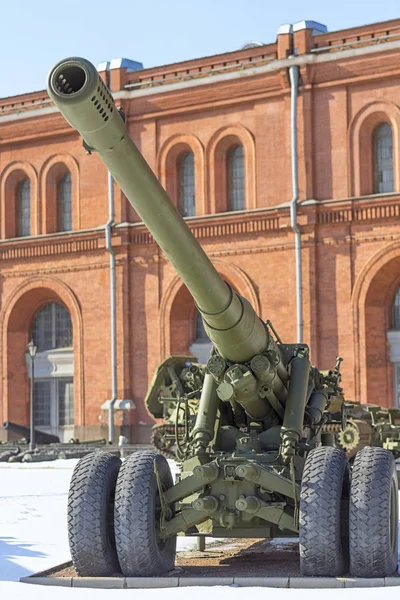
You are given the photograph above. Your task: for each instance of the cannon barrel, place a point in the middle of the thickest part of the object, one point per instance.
(78, 91)
(40, 436)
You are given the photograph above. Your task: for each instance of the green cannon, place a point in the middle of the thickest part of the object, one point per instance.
(173, 395)
(254, 463)
(350, 426)
(363, 425)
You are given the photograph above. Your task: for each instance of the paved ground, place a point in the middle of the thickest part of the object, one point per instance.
(229, 558)
(33, 537)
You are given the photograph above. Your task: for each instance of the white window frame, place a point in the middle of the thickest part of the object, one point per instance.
(54, 331)
(383, 165)
(236, 178)
(64, 200)
(54, 384)
(186, 172)
(24, 208)
(396, 382)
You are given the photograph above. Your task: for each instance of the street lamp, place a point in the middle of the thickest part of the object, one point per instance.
(32, 353)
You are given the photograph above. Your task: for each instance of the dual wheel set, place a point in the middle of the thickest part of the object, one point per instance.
(348, 521)
(114, 515)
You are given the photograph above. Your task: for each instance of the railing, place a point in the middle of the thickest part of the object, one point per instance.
(219, 225)
(48, 245)
(372, 208)
(337, 42)
(261, 221)
(13, 105)
(145, 79)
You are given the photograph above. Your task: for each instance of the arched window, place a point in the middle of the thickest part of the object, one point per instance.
(52, 328)
(24, 208)
(64, 203)
(200, 334)
(396, 311)
(383, 159)
(187, 206)
(236, 192)
(54, 382)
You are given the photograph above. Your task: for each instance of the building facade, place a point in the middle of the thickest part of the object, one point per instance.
(217, 133)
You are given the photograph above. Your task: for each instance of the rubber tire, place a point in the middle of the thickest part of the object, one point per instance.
(138, 549)
(374, 507)
(90, 515)
(323, 495)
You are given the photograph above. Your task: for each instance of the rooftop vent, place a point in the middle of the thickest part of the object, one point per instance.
(316, 27)
(120, 63)
(251, 45)
(126, 63)
(285, 29)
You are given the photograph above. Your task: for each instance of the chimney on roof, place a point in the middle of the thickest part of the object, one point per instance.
(126, 63)
(114, 72)
(303, 33)
(285, 41)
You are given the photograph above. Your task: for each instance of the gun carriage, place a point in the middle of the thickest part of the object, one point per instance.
(254, 464)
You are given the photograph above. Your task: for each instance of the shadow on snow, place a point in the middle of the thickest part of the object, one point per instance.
(11, 549)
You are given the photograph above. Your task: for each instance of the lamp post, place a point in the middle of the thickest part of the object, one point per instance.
(32, 353)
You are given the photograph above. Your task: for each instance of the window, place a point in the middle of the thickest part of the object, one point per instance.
(187, 206)
(236, 192)
(65, 203)
(65, 398)
(201, 335)
(42, 404)
(54, 403)
(383, 159)
(52, 328)
(396, 373)
(24, 208)
(201, 346)
(396, 311)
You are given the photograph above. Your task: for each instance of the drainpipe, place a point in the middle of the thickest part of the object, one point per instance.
(113, 305)
(294, 79)
(105, 66)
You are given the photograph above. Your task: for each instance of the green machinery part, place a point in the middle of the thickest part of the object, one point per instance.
(173, 395)
(254, 449)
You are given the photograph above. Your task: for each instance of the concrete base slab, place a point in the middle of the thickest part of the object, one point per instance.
(364, 582)
(51, 577)
(273, 582)
(56, 581)
(204, 581)
(151, 582)
(99, 582)
(169, 582)
(315, 582)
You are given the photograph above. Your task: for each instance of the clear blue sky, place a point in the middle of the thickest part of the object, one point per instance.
(36, 34)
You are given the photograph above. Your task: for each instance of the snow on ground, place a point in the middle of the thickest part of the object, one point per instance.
(33, 537)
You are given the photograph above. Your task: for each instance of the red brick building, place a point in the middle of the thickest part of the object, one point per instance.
(216, 131)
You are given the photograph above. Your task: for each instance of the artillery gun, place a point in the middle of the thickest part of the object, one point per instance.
(173, 395)
(363, 425)
(350, 426)
(254, 465)
(24, 433)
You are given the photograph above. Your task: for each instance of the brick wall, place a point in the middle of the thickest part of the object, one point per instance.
(351, 256)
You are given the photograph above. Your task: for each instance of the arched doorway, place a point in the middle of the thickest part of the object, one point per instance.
(377, 341)
(394, 342)
(54, 370)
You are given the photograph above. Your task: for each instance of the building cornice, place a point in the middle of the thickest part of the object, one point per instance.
(275, 65)
(262, 222)
(240, 72)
